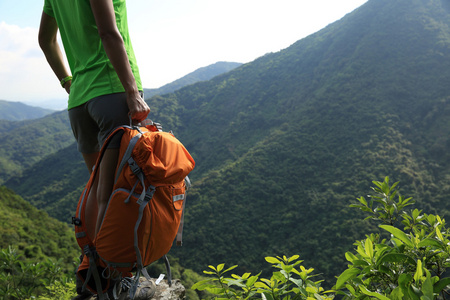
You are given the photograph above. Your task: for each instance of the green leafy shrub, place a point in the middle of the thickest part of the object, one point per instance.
(20, 279)
(408, 260)
(291, 281)
(63, 290)
(409, 263)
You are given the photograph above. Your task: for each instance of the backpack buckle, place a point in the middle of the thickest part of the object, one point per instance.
(76, 221)
(134, 166)
(149, 194)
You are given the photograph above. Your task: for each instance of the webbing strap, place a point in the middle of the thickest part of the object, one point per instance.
(180, 228)
(169, 271)
(134, 284)
(140, 175)
(92, 271)
(127, 154)
(131, 192)
(148, 196)
(145, 273)
(179, 239)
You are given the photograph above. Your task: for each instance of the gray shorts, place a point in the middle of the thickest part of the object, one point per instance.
(93, 121)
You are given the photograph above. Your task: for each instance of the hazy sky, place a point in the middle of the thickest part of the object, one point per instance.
(171, 38)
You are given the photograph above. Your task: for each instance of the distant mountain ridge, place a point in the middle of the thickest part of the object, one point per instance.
(18, 111)
(15, 158)
(285, 143)
(201, 74)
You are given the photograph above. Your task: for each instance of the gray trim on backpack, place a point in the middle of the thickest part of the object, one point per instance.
(80, 235)
(82, 202)
(127, 155)
(92, 271)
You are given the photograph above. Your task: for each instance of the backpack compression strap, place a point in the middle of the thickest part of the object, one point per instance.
(92, 271)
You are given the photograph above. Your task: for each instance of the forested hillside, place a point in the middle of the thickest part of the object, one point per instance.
(285, 143)
(17, 111)
(33, 233)
(201, 74)
(24, 143)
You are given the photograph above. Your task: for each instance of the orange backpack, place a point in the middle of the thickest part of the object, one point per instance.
(144, 213)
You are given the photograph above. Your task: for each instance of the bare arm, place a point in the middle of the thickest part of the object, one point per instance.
(113, 44)
(49, 45)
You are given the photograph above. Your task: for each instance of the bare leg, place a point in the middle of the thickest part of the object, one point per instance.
(91, 210)
(105, 183)
(90, 159)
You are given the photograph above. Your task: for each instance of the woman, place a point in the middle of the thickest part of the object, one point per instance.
(105, 90)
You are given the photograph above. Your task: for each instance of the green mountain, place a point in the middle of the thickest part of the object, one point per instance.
(17, 111)
(55, 183)
(33, 233)
(201, 74)
(285, 143)
(23, 143)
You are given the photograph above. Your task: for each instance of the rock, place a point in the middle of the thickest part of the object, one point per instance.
(163, 291)
(166, 292)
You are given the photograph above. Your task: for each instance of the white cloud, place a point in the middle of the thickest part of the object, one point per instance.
(24, 72)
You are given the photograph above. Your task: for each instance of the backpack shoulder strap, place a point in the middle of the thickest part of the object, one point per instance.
(179, 242)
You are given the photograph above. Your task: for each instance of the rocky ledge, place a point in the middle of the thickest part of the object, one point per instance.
(163, 291)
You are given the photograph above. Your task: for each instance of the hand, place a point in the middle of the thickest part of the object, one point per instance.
(138, 109)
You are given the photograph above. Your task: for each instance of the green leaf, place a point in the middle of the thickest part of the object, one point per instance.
(368, 245)
(431, 243)
(405, 279)
(398, 234)
(294, 257)
(365, 291)
(427, 288)
(396, 294)
(261, 285)
(413, 293)
(350, 256)
(395, 257)
(441, 284)
(251, 281)
(360, 263)
(362, 200)
(201, 285)
(346, 276)
(287, 268)
(439, 234)
(220, 267)
(268, 296)
(237, 282)
(272, 260)
(419, 272)
(230, 268)
(297, 282)
(217, 291)
(431, 219)
(212, 267)
(278, 276)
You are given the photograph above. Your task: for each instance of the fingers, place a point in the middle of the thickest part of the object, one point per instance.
(139, 110)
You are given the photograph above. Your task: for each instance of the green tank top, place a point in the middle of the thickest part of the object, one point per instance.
(93, 73)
